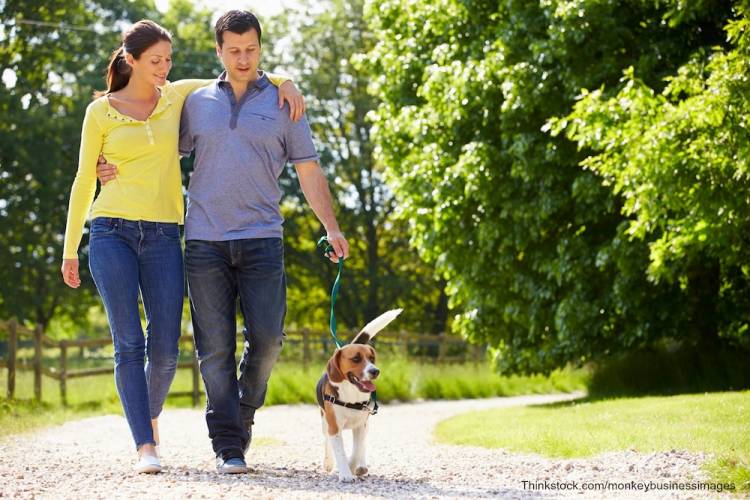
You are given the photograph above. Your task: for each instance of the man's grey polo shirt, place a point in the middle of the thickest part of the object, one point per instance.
(241, 148)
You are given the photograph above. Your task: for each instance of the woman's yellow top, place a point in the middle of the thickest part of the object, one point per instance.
(148, 185)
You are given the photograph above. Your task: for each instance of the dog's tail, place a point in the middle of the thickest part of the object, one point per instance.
(374, 326)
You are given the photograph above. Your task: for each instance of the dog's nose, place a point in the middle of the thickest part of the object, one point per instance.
(374, 372)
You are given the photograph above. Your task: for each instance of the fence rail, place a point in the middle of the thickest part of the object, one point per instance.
(307, 346)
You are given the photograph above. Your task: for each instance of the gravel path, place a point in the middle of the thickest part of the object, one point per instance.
(92, 458)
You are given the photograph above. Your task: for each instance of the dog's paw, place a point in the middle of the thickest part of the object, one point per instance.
(360, 471)
(346, 478)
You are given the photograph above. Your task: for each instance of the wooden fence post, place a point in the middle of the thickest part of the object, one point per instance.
(441, 347)
(63, 372)
(405, 343)
(12, 348)
(305, 348)
(38, 362)
(196, 376)
(478, 352)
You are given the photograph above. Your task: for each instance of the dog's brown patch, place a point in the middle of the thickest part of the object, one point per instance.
(333, 426)
(334, 368)
(327, 410)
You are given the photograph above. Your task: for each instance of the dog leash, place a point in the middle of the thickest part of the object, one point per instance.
(327, 250)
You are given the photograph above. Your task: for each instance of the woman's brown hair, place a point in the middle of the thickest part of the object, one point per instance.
(135, 41)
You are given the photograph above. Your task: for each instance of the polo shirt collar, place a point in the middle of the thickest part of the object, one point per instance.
(260, 83)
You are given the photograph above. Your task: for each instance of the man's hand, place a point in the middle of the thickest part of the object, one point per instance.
(315, 188)
(69, 271)
(340, 246)
(105, 171)
(289, 93)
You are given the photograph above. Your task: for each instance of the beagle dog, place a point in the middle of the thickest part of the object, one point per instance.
(343, 394)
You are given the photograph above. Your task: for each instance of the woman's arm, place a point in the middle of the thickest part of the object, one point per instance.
(287, 92)
(186, 87)
(84, 187)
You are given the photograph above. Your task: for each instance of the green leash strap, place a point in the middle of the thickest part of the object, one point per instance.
(374, 399)
(327, 250)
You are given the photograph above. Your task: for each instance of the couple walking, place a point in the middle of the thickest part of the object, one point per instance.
(132, 138)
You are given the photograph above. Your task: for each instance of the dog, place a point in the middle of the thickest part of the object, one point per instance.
(343, 394)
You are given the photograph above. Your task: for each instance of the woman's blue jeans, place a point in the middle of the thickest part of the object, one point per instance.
(128, 258)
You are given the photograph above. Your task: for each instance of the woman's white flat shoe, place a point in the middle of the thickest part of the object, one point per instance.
(148, 464)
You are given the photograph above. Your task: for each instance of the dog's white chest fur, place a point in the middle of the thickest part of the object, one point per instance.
(349, 418)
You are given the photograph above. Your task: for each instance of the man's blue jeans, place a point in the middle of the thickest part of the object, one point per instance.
(127, 258)
(220, 272)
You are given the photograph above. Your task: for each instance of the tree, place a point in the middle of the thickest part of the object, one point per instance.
(531, 244)
(679, 159)
(53, 55)
(319, 45)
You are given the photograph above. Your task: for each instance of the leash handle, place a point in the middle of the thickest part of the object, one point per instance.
(327, 250)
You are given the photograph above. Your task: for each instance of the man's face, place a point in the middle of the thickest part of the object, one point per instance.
(240, 55)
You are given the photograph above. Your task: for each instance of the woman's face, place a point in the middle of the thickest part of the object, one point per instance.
(154, 64)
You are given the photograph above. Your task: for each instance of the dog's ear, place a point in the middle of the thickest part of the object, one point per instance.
(362, 338)
(374, 326)
(334, 368)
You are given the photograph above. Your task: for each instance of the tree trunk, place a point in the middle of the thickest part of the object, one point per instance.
(440, 323)
(704, 283)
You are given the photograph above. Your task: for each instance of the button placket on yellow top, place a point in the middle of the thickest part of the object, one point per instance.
(149, 132)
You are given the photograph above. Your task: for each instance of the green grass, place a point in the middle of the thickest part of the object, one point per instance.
(290, 383)
(717, 423)
(406, 381)
(21, 416)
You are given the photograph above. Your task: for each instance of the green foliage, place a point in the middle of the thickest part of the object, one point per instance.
(193, 50)
(58, 65)
(535, 249)
(194, 53)
(53, 55)
(319, 45)
(679, 160)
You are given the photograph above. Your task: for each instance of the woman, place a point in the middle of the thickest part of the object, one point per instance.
(134, 243)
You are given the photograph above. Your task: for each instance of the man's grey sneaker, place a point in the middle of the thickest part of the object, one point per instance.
(231, 466)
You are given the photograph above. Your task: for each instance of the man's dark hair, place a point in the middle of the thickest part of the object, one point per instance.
(236, 21)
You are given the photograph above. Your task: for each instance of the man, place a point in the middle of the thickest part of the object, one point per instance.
(233, 229)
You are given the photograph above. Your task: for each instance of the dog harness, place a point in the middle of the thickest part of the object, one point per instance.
(363, 406)
(354, 406)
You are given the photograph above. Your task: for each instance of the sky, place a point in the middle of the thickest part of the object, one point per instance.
(264, 8)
